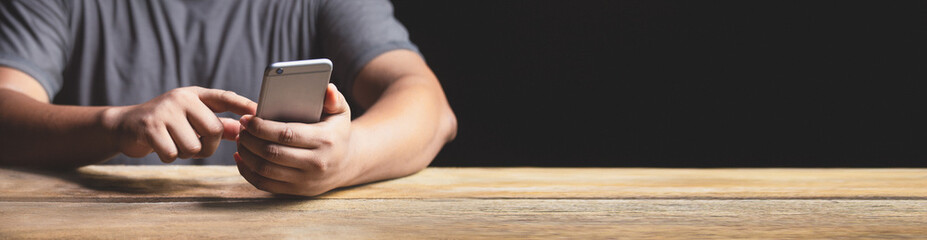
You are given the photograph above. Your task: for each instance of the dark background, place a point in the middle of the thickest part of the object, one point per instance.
(679, 83)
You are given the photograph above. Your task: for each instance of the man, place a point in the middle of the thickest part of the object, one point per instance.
(86, 81)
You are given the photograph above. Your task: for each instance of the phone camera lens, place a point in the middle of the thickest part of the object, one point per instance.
(279, 70)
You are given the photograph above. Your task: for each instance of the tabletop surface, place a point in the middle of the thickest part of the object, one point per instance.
(216, 202)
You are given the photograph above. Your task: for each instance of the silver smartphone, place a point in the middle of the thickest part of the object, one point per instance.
(294, 91)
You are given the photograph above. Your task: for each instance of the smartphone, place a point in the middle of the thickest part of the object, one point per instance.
(294, 91)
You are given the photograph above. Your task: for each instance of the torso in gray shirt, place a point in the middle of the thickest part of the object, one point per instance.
(115, 52)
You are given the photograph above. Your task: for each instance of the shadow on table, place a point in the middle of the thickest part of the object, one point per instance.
(103, 181)
(212, 192)
(114, 183)
(279, 202)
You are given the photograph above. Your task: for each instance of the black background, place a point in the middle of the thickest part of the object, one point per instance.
(679, 83)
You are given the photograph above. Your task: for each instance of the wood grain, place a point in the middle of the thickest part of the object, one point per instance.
(469, 218)
(189, 202)
(186, 183)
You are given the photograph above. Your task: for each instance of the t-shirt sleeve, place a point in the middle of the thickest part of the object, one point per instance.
(354, 32)
(34, 39)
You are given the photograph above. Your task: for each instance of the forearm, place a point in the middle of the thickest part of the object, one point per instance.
(40, 134)
(402, 132)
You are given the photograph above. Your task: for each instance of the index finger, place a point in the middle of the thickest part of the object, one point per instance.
(226, 101)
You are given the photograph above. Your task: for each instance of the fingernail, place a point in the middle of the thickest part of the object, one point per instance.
(333, 85)
(237, 158)
(244, 121)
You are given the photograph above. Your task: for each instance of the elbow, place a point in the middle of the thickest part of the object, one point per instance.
(449, 120)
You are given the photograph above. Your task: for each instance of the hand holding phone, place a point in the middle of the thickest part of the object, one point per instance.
(285, 157)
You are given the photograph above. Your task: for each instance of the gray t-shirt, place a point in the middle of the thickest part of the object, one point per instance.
(116, 52)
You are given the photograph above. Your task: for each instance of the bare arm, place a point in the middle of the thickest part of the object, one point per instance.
(36, 133)
(39, 134)
(408, 119)
(407, 123)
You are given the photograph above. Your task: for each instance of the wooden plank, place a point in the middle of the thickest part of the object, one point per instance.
(202, 183)
(468, 218)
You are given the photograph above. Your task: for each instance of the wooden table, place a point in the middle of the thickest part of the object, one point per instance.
(215, 202)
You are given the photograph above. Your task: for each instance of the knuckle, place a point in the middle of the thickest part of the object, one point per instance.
(193, 149)
(286, 136)
(172, 98)
(272, 151)
(214, 128)
(262, 169)
(227, 95)
(185, 93)
(319, 165)
(174, 93)
(148, 121)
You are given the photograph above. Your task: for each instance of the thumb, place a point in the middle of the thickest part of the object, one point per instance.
(335, 102)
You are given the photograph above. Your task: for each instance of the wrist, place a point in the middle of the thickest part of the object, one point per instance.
(109, 121)
(357, 165)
